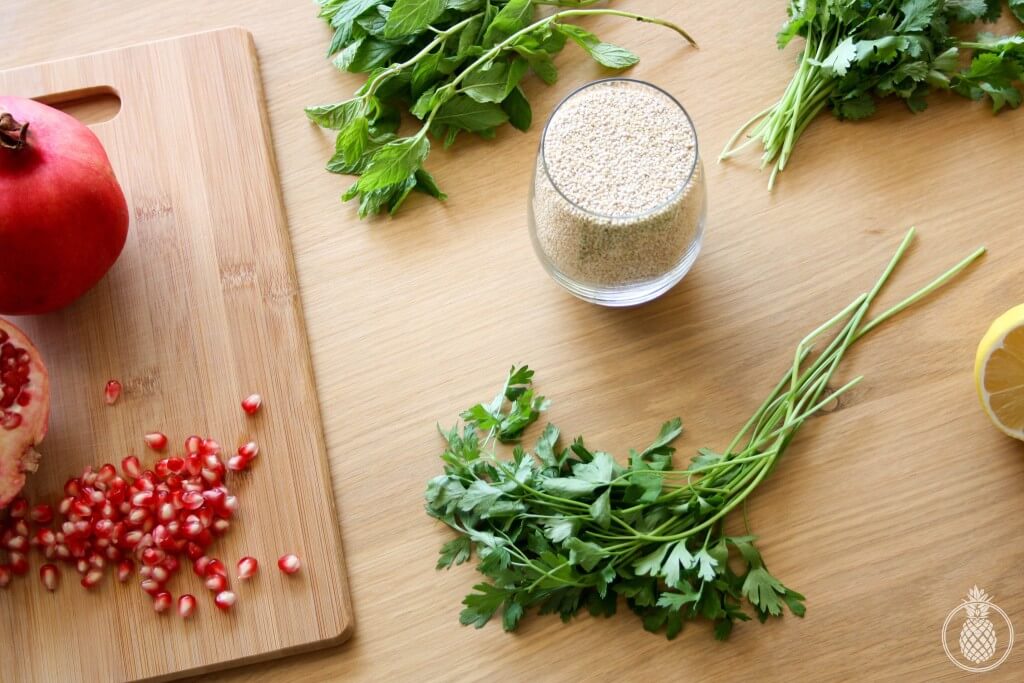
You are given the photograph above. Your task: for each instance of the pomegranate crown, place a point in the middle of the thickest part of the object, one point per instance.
(13, 133)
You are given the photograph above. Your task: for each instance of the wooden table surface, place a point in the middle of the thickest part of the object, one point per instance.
(883, 514)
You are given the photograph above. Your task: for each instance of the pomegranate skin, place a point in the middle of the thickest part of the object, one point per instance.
(63, 217)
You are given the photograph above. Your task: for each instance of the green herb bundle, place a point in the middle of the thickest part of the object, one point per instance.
(563, 529)
(857, 51)
(456, 65)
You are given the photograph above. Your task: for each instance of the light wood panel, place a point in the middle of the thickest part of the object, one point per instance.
(201, 309)
(883, 514)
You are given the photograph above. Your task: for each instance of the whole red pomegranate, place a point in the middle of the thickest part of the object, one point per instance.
(24, 409)
(63, 217)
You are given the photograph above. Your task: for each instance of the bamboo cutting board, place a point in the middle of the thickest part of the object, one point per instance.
(201, 309)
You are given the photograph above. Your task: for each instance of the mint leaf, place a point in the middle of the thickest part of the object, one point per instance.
(513, 17)
(467, 114)
(408, 17)
(520, 115)
(334, 116)
(494, 82)
(605, 54)
(394, 163)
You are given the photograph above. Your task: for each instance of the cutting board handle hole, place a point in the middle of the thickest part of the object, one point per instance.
(90, 105)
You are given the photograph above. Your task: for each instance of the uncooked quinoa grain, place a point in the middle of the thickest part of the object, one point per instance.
(619, 192)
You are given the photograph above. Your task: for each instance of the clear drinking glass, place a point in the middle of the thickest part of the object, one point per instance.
(618, 257)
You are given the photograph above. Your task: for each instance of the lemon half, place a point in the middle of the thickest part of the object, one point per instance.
(999, 372)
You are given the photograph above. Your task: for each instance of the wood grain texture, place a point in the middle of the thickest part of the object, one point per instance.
(201, 309)
(883, 513)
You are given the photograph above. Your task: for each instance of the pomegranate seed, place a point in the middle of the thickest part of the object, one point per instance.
(193, 551)
(65, 505)
(103, 528)
(49, 575)
(150, 586)
(152, 556)
(214, 497)
(45, 537)
(145, 571)
(159, 574)
(215, 566)
(210, 447)
(18, 562)
(156, 441)
(225, 600)
(289, 564)
(41, 514)
(21, 528)
(18, 543)
(162, 602)
(124, 570)
(106, 473)
(199, 566)
(18, 508)
(112, 392)
(97, 561)
(72, 487)
(82, 566)
(247, 567)
(192, 500)
(249, 450)
(143, 499)
(186, 605)
(193, 444)
(5, 575)
(216, 583)
(131, 466)
(166, 512)
(92, 577)
(170, 563)
(251, 404)
(237, 463)
(220, 526)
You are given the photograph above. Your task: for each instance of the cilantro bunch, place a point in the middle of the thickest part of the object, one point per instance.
(858, 51)
(565, 528)
(455, 65)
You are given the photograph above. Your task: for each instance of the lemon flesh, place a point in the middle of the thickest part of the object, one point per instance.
(999, 372)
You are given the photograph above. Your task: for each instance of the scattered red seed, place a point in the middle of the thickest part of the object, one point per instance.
(112, 392)
(162, 601)
(199, 566)
(225, 600)
(124, 570)
(49, 575)
(5, 575)
(150, 586)
(156, 441)
(249, 450)
(251, 404)
(186, 605)
(216, 583)
(289, 564)
(215, 566)
(92, 577)
(18, 562)
(193, 444)
(237, 463)
(247, 567)
(18, 508)
(131, 467)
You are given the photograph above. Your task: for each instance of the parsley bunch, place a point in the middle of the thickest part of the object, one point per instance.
(561, 529)
(857, 51)
(456, 65)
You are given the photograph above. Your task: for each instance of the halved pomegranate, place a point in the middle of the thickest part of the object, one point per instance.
(24, 409)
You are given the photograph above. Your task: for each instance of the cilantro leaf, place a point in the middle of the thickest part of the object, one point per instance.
(455, 551)
(481, 605)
